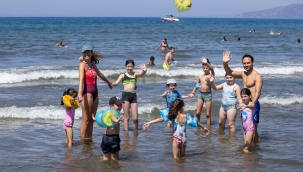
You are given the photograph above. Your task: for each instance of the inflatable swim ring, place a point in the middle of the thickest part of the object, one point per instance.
(103, 118)
(192, 120)
(66, 100)
(183, 5)
(164, 114)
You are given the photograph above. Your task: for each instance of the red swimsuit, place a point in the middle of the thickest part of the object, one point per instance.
(90, 81)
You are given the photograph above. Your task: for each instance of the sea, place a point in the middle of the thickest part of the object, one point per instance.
(34, 73)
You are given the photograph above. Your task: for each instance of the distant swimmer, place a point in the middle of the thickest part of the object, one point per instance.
(239, 39)
(251, 30)
(298, 41)
(279, 33)
(151, 61)
(163, 45)
(224, 39)
(61, 45)
(169, 58)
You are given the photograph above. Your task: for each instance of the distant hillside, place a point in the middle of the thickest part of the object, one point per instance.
(293, 11)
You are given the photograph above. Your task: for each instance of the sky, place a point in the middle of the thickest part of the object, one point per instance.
(133, 8)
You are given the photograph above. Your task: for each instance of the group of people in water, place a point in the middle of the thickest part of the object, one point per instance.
(87, 96)
(252, 30)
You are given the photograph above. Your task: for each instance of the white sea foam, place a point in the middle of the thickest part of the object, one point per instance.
(10, 76)
(57, 112)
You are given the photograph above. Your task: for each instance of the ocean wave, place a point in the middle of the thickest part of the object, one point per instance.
(286, 100)
(10, 76)
(57, 112)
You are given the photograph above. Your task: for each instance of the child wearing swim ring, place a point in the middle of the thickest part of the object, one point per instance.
(247, 109)
(204, 90)
(129, 96)
(179, 121)
(70, 103)
(110, 144)
(230, 95)
(171, 94)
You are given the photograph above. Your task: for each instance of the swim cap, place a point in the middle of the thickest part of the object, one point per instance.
(86, 47)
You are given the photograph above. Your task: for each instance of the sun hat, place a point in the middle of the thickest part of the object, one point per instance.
(171, 81)
(86, 47)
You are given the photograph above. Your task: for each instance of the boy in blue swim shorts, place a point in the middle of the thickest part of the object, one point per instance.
(111, 141)
(205, 95)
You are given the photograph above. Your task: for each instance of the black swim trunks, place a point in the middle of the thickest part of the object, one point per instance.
(129, 97)
(110, 143)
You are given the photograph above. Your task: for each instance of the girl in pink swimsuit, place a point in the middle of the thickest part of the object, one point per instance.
(69, 115)
(247, 109)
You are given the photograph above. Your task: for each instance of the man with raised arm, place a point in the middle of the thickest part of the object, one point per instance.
(252, 80)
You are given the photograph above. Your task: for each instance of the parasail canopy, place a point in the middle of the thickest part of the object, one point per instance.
(183, 5)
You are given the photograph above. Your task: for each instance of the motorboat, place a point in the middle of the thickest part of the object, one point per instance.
(169, 18)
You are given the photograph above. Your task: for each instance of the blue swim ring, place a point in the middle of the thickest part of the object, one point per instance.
(192, 120)
(164, 114)
(103, 118)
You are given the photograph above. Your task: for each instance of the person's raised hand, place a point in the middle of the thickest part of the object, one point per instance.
(142, 67)
(204, 59)
(226, 56)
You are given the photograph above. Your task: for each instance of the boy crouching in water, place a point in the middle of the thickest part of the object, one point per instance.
(111, 141)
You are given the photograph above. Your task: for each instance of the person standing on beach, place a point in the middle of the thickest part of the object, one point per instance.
(169, 58)
(88, 91)
(252, 80)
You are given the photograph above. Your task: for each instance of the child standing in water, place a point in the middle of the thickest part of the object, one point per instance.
(171, 94)
(179, 121)
(111, 141)
(204, 90)
(247, 109)
(129, 96)
(231, 92)
(70, 102)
